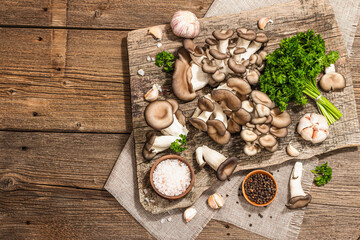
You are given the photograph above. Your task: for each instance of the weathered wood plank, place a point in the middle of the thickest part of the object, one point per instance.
(115, 14)
(289, 18)
(64, 80)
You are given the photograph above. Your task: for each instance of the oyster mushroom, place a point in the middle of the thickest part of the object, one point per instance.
(197, 54)
(255, 45)
(298, 198)
(332, 80)
(226, 97)
(241, 116)
(155, 144)
(245, 37)
(223, 38)
(280, 119)
(223, 166)
(251, 149)
(248, 135)
(160, 115)
(261, 98)
(239, 85)
(279, 132)
(233, 127)
(235, 67)
(267, 141)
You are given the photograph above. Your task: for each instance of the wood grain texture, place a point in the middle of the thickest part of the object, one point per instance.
(114, 14)
(50, 188)
(289, 18)
(64, 80)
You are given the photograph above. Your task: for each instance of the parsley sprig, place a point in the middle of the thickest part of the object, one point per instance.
(166, 60)
(323, 174)
(179, 144)
(292, 69)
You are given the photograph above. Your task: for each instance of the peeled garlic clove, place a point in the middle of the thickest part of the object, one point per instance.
(156, 32)
(292, 151)
(215, 201)
(263, 21)
(189, 214)
(185, 24)
(153, 93)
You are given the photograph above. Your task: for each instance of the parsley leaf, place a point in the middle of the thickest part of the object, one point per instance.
(178, 145)
(323, 174)
(166, 60)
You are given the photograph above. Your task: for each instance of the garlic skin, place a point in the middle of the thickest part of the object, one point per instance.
(263, 22)
(215, 201)
(189, 214)
(156, 32)
(185, 24)
(313, 127)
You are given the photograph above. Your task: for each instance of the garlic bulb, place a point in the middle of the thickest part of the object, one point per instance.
(313, 127)
(185, 24)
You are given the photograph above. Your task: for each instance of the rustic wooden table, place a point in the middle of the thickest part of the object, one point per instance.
(65, 116)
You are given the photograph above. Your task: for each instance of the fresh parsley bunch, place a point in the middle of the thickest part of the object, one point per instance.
(178, 145)
(323, 174)
(292, 69)
(166, 60)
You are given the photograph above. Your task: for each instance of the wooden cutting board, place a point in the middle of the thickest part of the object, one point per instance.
(289, 18)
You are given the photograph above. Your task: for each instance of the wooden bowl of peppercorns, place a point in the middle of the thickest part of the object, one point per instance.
(259, 188)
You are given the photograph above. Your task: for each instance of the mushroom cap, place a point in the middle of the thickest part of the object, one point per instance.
(246, 33)
(253, 58)
(252, 77)
(237, 68)
(211, 41)
(226, 168)
(227, 97)
(222, 34)
(220, 139)
(217, 54)
(150, 138)
(259, 120)
(267, 141)
(247, 105)
(263, 128)
(280, 119)
(251, 150)
(180, 117)
(273, 148)
(207, 67)
(198, 123)
(261, 38)
(261, 98)
(248, 135)
(231, 45)
(246, 63)
(263, 54)
(332, 81)
(233, 127)
(174, 104)
(279, 132)
(268, 119)
(181, 79)
(239, 85)
(218, 125)
(159, 114)
(189, 45)
(299, 201)
(239, 50)
(241, 116)
(262, 110)
(205, 104)
(218, 76)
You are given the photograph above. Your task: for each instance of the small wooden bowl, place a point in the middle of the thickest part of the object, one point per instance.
(192, 182)
(243, 187)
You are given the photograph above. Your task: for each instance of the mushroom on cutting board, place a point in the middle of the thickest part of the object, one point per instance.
(155, 144)
(332, 80)
(298, 198)
(223, 166)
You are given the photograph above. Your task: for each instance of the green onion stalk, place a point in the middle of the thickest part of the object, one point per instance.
(331, 113)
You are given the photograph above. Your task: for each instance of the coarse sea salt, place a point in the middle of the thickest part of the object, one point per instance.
(171, 177)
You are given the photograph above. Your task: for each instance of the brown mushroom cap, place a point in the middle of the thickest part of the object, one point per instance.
(226, 168)
(180, 117)
(207, 67)
(263, 54)
(217, 55)
(159, 114)
(237, 68)
(252, 77)
(223, 35)
(241, 116)
(273, 148)
(239, 85)
(251, 150)
(174, 104)
(279, 132)
(262, 110)
(267, 141)
(299, 202)
(220, 139)
(332, 81)
(240, 50)
(227, 97)
(269, 119)
(198, 124)
(233, 127)
(189, 45)
(218, 76)
(246, 34)
(211, 41)
(259, 120)
(261, 98)
(280, 119)
(205, 104)
(261, 38)
(150, 138)
(246, 63)
(248, 135)
(231, 45)
(263, 128)
(218, 125)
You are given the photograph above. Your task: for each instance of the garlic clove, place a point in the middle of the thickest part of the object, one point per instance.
(319, 136)
(263, 22)
(292, 151)
(189, 214)
(153, 93)
(307, 133)
(215, 201)
(156, 32)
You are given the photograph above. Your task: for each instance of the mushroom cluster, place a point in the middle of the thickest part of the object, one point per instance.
(166, 117)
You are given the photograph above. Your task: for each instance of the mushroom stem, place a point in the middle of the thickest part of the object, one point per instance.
(330, 69)
(196, 112)
(161, 143)
(175, 129)
(219, 114)
(199, 78)
(253, 47)
(199, 157)
(212, 157)
(295, 181)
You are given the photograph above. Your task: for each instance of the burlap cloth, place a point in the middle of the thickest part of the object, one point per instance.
(274, 221)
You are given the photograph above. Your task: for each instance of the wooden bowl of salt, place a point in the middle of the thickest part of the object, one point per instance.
(172, 177)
